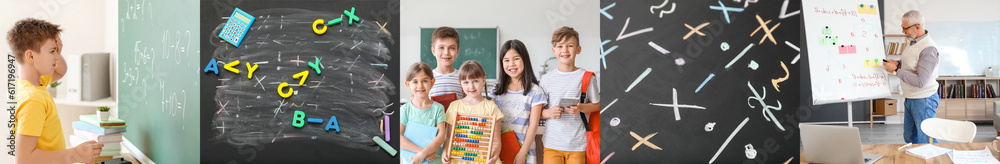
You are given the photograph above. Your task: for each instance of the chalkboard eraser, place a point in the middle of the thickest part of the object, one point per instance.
(385, 146)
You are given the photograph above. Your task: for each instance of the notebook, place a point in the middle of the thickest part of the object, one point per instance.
(419, 134)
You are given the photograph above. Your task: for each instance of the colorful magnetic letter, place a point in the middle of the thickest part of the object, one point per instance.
(318, 22)
(297, 119)
(332, 124)
(212, 66)
(351, 16)
(315, 66)
(284, 94)
(231, 65)
(251, 69)
(301, 76)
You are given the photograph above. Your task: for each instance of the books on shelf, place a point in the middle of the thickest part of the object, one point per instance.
(970, 91)
(97, 129)
(895, 48)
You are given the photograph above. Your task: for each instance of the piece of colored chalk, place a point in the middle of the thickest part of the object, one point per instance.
(314, 120)
(387, 128)
(385, 146)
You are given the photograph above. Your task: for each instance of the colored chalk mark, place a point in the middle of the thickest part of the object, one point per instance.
(796, 59)
(677, 114)
(775, 82)
(784, 11)
(725, 10)
(729, 139)
(658, 48)
(604, 53)
(641, 76)
(604, 11)
(704, 82)
(724, 46)
(739, 56)
(753, 65)
(767, 31)
(672, 7)
(644, 141)
(695, 30)
(621, 36)
(609, 105)
(679, 61)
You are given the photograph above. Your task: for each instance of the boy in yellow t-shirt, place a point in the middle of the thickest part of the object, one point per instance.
(37, 48)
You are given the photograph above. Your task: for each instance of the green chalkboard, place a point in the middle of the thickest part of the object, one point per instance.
(478, 44)
(158, 78)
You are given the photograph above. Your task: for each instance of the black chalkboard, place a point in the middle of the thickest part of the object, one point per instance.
(246, 121)
(713, 87)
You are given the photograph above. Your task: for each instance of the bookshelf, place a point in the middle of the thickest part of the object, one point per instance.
(891, 47)
(961, 101)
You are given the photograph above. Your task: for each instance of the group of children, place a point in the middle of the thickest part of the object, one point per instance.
(518, 101)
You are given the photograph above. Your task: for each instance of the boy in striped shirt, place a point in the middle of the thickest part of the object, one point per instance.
(444, 46)
(565, 138)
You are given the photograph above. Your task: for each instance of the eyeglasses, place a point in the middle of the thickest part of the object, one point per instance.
(911, 26)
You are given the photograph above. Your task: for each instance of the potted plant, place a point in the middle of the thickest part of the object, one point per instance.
(102, 112)
(52, 88)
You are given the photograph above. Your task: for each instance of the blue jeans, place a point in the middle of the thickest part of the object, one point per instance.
(917, 110)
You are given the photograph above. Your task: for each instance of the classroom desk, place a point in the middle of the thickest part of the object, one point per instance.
(891, 155)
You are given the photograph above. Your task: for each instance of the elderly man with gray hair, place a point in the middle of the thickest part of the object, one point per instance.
(917, 70)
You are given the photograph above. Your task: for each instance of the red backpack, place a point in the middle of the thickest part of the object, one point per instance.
(593, 125)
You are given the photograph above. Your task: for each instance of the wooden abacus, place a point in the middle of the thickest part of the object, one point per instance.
(472, 138)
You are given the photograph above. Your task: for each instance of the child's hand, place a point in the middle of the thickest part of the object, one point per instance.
(572, 109)
(431, 157)
(520, 158)
(493, 160)
(445, 158)
(555, 112)
(416, 159)
(87, 151)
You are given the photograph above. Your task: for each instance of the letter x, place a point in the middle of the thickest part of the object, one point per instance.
(695, 30)
(644, 141)
(767, 31)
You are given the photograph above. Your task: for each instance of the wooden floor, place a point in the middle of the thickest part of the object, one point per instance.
(893, 133)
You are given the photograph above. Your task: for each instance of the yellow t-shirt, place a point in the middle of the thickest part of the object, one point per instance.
(485, 108)
(37, 116)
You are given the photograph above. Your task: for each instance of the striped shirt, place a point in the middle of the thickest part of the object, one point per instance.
(517, 108)
(567, 132)
(445, 84)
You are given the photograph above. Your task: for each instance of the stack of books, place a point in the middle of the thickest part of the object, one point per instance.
(91, 128)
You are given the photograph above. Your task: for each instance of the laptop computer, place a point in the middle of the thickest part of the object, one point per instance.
(833, 144)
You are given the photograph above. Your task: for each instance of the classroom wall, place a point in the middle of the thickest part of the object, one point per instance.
(940, 11)
(532, 22)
